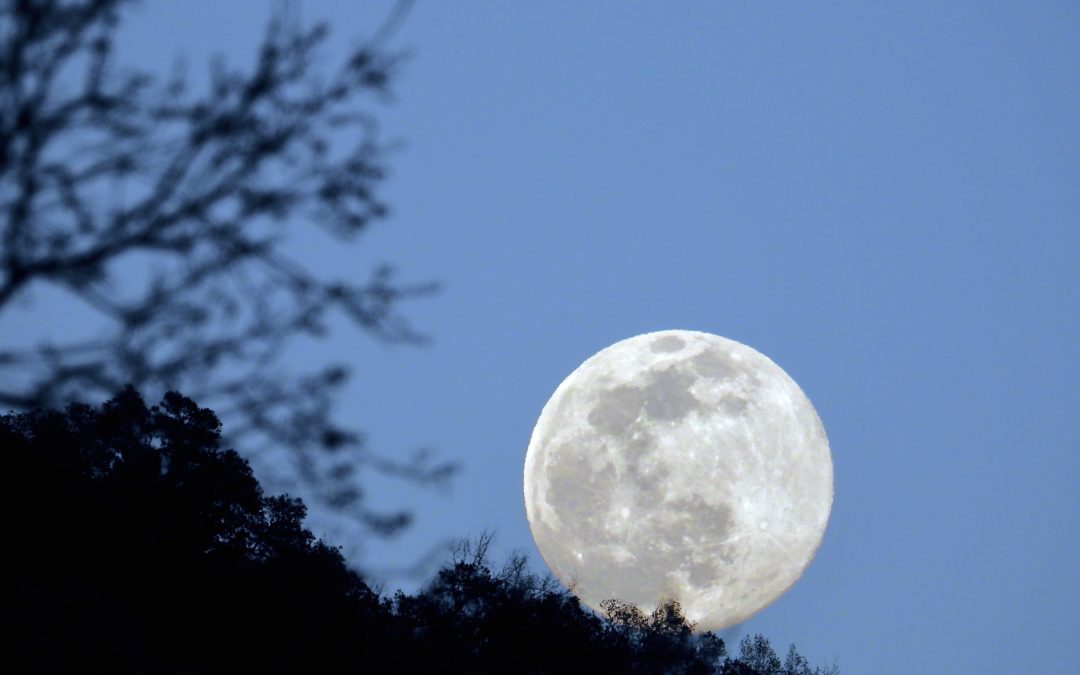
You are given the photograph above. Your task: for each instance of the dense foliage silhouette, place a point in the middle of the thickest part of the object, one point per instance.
(138, 546)
(174, 212)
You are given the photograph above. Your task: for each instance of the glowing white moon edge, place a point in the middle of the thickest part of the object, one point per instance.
(679, 465)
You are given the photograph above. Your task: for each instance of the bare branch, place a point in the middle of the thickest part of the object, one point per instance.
(209, 189)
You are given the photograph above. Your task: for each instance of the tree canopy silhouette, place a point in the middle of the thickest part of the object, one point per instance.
(137, 545)
(171, 213)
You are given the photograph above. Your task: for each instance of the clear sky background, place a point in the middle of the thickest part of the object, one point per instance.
(883, 197)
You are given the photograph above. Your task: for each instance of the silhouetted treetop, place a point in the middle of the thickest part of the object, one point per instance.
(138, 545)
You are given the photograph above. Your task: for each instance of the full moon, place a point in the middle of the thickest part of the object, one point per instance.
(679, 465)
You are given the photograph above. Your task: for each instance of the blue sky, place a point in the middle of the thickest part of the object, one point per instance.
(881, 197)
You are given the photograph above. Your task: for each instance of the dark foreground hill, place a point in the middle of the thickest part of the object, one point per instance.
(136, 545)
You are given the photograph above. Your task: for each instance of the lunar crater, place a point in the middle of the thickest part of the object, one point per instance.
(667, 344)
(617, 410)
(668, 396)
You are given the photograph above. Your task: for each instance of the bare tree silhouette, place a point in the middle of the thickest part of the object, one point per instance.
(170, 213)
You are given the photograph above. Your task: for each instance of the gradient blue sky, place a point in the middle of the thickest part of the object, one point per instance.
(883, 197)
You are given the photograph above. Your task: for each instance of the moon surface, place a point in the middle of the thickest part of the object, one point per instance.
(679, 465)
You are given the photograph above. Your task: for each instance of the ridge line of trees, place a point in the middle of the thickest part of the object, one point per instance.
(141, 546)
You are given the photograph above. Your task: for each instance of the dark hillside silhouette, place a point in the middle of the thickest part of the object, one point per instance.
(138, 546)
(142, 548)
